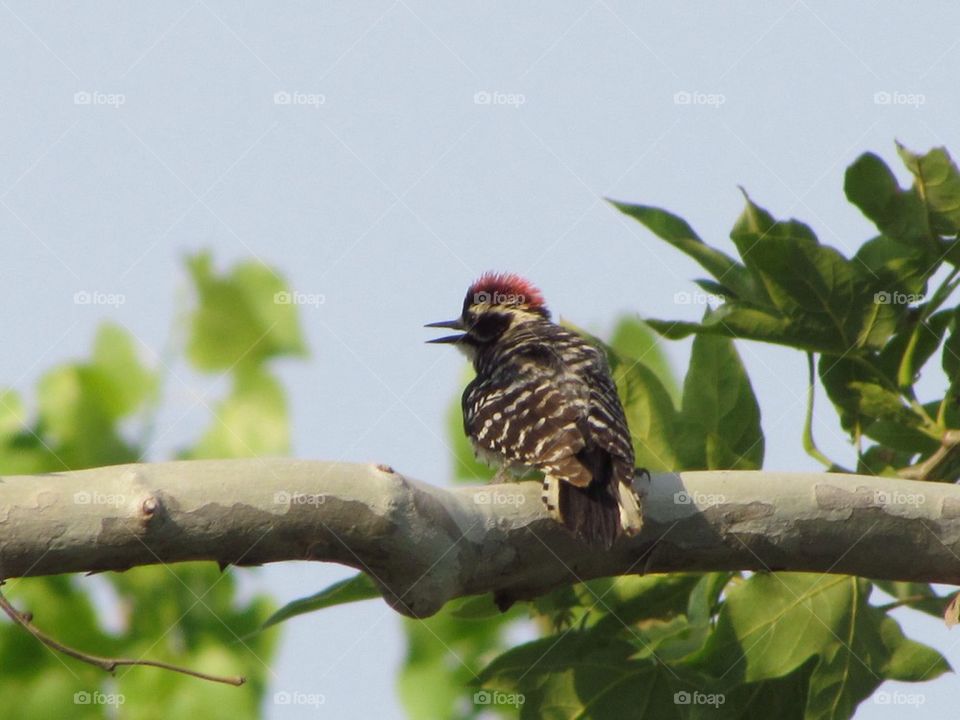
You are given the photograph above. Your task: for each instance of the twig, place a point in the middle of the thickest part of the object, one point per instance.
(807, 440)
(942, 465)
(108, 664)
(909, 600)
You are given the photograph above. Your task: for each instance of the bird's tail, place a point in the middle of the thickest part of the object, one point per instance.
(599, 513)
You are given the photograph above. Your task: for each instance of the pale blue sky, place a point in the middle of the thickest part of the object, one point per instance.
(421, 145)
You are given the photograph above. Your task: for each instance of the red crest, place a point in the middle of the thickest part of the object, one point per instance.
(506, 289)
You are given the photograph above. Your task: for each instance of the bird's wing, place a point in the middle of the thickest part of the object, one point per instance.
(538, 421)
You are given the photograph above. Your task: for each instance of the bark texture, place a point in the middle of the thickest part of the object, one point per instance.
(425, 545)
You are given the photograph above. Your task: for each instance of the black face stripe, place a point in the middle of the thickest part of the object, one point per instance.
(488, 326)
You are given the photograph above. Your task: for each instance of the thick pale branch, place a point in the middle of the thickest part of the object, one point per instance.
(425, 545)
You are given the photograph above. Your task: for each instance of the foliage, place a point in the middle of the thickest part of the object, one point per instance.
(737, 645)
(188, 614)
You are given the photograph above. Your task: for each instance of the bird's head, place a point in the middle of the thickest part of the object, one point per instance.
(495, 303)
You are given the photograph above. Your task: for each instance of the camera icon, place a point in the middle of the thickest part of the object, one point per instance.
(882, 298)
(281, 97)
(281, 698)
(882, 98)
(482, 97)
(682, 498)
(82, 98)
(281, 498)
(481, 297)
(282, 298)
(681, 697)
(82, 298)
(82, 697)
(81, 498)
(482, 697)
(682, 98)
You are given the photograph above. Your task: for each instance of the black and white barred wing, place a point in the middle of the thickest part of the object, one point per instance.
(536, 421)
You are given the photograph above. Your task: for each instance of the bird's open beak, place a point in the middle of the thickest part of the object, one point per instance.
(450, 325)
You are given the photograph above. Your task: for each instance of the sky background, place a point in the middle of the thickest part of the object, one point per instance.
(384, 154)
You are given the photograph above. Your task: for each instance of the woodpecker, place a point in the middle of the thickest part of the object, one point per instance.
(543, 399)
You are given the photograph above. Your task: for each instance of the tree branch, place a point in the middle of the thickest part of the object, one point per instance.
(425, 545)
(25, 621)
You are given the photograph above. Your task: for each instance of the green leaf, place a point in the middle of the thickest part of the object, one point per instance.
(883, 461)
(675, 230)
(650, 414)
(719, 404)
(204, 635)
(715, 288)
(359, 587)
(12, 413)
(131, 383)
(737, 320)
(938, 183)
(919, 596)
(866, 403)
(648, 406)
(899, 214)
(77, 408)
(900, 268)
(870, 649)
(634, 341)
(574, 676)
(704, 599)
(80, 404)
(812, 284)
(950, 359)
(629, 600)
(773, 622)
(251, 422)
(445, 654)
(913, 345)
(909, 660)
(474, 607)
(246, 316)
(876, 402)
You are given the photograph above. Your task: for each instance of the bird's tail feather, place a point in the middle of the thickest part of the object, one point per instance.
(599, 513)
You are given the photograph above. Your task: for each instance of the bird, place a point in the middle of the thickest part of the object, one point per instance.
(544, 399)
